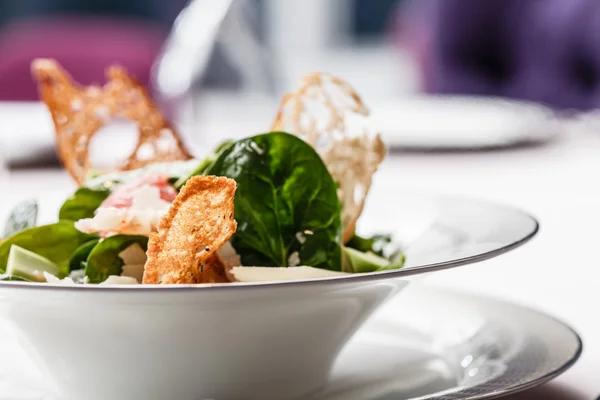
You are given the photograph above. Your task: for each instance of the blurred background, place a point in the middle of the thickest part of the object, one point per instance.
(91, 34)
(412, 61)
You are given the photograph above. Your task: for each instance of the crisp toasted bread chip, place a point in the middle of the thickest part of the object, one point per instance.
(79, 112)
(328, 114)
(213, 270)
(198, 222)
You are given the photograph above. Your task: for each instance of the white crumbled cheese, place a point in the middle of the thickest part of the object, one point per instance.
(294, 259)
(300, 237)
(229, 256)
(141, 218)
(106, 218)
(147, 197)
(119, 280)
(77, 274)
(38, 275)
(256, 148)
(135, 271)
(133, 254)
(230, 259)
(50, 278)
(57, 281)
(134, 259)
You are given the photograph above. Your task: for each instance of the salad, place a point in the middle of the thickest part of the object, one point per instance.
(272, 206)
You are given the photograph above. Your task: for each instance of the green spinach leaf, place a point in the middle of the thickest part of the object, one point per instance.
(56, 242)
(79, 257)
(104, 259)
(286, 203)
(82, 204)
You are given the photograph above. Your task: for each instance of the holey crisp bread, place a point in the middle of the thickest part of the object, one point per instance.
(79, 112)
(328, 114)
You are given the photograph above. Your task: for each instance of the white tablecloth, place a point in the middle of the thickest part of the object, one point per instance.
(559, 183)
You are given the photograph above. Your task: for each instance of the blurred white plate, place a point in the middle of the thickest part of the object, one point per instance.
(415, 123)
(462, 123)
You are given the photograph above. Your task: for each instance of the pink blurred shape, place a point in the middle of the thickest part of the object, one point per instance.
(84, 45)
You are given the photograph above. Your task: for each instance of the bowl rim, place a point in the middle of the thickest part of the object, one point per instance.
(356, 279)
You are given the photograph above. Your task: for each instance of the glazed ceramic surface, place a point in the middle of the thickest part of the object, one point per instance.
(428, 343)
(239, 341)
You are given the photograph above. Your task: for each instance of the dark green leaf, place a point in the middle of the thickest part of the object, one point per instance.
(82, 204)
(81, 254)
(286, 202)
(104, 259)
(22, 216)
(56, 242)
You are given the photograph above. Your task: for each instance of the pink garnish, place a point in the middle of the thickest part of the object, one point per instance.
(122, 196)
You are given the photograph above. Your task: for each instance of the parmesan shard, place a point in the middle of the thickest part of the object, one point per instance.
(270, 274)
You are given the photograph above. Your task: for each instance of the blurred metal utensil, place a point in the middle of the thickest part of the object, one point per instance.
(203, 27)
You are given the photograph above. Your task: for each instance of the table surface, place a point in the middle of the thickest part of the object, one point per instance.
(555, 273)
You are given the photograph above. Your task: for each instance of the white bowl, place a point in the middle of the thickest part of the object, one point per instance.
(235, 342)
(271, 340)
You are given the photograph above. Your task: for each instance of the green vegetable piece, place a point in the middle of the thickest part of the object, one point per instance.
(375, 244)
(360, 262)
(6, 277)
(381, 245)
(108, 181)
(396, 262)
(203, 166)
(22, 216)
(26, 264)
(82, 204)
(79, 257)
(286, 203)
(104, 259)
(56, 242)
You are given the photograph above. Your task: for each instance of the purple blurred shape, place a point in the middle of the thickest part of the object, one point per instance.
(84, 45)
(539, 50)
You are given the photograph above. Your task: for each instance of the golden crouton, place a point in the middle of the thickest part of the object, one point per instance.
(199, 221)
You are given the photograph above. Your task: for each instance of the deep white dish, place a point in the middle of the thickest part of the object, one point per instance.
(268, 340)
